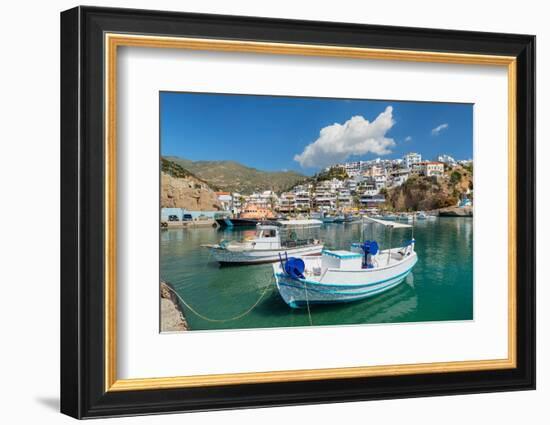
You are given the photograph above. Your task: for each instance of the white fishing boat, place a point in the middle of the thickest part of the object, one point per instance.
(421, 215)
(300, 223)
(264, 247)
(345, 275)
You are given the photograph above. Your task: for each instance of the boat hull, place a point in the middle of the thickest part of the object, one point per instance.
(237, 222)
(260, 256)
(341, 286)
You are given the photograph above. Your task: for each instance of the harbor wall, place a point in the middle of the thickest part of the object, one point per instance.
(179, 212)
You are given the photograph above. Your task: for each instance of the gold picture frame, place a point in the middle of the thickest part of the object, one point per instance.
(114, 41)
(91, 40)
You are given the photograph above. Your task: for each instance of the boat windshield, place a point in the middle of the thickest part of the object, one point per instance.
(267, 233)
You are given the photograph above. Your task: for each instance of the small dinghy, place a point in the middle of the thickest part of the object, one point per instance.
(265, 247)
(345, 275)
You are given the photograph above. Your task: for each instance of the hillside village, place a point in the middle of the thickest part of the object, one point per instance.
(404, 184)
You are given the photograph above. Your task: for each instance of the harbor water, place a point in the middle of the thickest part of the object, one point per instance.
(439, 288)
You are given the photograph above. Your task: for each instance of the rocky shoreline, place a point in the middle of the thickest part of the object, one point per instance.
(172, 318)
(456, 212)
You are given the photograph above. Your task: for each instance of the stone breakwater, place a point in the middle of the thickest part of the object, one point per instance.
(172, 318)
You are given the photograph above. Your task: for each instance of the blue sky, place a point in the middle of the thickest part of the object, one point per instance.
(305, 134)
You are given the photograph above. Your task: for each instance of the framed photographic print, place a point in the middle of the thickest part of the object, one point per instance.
(261, 212)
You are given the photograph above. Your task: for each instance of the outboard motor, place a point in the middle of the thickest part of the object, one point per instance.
(369, 248)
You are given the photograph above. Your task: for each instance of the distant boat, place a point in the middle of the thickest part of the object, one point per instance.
(237, 222)
(265, 247)
(250, 216)
(300, 223)
(350, 218)
(389, 217)
(344, 275)
(334, 218)
(405, 217)
(422, 216)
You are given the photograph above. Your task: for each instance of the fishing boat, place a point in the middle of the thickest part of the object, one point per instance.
(421, 215)
(351, 218)
(332, 219)
(265, 247)
(345, 275)
(300, 223)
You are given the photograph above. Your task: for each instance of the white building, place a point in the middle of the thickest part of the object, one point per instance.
(266, 199)
(287, 202)
(303, 201)
(411, 158)
(237, 201)
(325, 195)
(375, 170)
(367, 187)
(447, 159)
(351, 184)
(380, 181)
(226, 200)
(344, 198)
(352, 168)
(398, 177)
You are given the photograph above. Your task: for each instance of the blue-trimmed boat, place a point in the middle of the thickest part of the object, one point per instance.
(344, 275)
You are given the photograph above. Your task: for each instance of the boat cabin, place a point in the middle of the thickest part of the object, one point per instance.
(341, 259)
(267, 237)
(276, 237)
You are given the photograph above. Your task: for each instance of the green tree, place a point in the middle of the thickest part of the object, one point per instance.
(455, 177)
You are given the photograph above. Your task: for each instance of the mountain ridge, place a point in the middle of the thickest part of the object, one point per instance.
(232, 176)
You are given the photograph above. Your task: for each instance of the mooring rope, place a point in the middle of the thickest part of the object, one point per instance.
(230, 319)
(307, 302)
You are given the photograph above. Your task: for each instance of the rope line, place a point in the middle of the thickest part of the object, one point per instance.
(230, 319)
(307, 302)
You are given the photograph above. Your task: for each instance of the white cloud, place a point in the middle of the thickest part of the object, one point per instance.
(408, 139)
(357, 136)
(439, 129)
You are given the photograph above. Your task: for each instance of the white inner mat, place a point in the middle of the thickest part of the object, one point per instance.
(143, 352)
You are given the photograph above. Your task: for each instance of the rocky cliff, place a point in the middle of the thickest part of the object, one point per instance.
(430, 193)
(188, 193)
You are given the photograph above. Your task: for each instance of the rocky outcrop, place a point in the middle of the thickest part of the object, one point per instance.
(456, 212)
(421, 193)
(188, 193)
(171, 313)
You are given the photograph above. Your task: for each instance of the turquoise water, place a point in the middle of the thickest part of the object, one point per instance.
(439, 288)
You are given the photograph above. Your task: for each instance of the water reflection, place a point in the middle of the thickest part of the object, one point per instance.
(440, 287)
